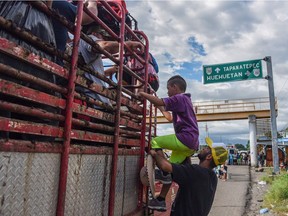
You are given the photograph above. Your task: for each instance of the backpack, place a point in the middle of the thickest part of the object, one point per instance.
(116, 9)
(108, 19)
(153, 61)
(153, 78)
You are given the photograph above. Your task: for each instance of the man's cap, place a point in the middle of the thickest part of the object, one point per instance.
(219, 152)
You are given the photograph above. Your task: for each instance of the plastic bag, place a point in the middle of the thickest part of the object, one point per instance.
(23, 15)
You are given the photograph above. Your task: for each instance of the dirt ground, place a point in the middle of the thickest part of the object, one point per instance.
(256, 195)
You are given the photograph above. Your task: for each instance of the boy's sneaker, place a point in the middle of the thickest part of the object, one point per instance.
(164, 179)
(157, 205)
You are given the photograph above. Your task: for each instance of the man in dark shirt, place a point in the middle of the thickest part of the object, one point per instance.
(197, 183)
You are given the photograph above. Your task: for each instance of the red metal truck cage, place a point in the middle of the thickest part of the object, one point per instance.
(61, 157)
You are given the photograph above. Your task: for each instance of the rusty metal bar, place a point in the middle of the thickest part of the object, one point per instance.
(30, 111)
(117, 118)
(17, 90)
(101, 138)
(20, 75)
(101, 150)
(28, 146)
(68, 114)
(36, 96)
(143, 130)
(20, 91)
(19, 126)
(20, 53)
(8, 26)
(44, 147)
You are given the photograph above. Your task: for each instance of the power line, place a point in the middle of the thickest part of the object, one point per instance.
(281, 88)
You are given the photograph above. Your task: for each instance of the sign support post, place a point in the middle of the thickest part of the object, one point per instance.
(273, 114)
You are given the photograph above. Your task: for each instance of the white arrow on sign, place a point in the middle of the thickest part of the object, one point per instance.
(217, 70)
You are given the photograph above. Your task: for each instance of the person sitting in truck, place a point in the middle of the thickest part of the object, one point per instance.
(68, 10)
(185, 142)
(93, 58)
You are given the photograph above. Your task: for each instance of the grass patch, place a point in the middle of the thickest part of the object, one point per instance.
(268, 177)
(277, 196)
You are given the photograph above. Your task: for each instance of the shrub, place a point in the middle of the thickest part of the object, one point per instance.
(277, 195)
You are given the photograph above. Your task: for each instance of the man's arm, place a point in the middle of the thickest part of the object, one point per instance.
(113, 46)
(161, 161)
(135, 46)
(110, 71)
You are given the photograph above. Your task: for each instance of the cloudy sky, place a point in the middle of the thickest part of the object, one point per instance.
(184, 35)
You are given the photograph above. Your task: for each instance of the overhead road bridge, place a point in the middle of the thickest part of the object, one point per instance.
(221, 110)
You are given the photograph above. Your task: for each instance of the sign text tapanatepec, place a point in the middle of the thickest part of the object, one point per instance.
(235, 71)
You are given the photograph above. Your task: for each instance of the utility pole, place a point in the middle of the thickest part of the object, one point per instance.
(269, 77)
(206, 128)
(253, 140)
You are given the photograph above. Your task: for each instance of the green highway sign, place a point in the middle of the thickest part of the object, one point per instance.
(235, 71)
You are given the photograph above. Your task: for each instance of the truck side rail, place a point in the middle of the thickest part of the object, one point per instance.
(43, 115)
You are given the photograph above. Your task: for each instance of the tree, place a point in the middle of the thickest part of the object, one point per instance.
(240, 146)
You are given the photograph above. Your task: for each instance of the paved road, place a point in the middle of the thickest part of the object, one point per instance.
(230, 198)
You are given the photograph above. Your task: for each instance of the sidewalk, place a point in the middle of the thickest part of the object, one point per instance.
(230, 198)
(240, 195)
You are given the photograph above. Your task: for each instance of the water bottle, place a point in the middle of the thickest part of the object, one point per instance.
(264, 210)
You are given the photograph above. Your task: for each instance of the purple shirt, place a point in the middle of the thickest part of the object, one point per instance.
(184, 119)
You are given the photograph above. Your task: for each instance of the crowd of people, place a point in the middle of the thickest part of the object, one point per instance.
(238, 158)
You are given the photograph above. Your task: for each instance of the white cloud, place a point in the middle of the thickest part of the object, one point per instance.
(229, 31)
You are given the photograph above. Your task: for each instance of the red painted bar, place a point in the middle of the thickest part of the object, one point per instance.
(117, 116)
(101, 150)
(8, 26)
(68, 114)
(44, 147)
(29, 147)
(4, 69)
(30, 111)
(48, 130)
(143, 131)
(19, 126)
(17, 90)
(20, 54)
(20, 91)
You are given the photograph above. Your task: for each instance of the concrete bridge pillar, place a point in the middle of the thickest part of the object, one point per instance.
(253, 140)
